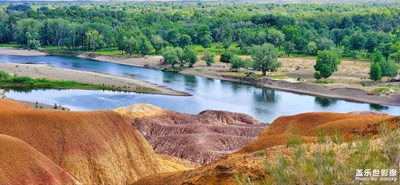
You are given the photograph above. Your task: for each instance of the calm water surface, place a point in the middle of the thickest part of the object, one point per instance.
(263, 104)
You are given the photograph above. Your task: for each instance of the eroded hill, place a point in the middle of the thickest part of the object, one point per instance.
(22, 164)
(97, 147)
(281, 154)
(201, 138)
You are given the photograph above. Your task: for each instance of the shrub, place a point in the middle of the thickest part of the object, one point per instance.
(317, 75)
(226, 57)
(20, 79)
(3, 75)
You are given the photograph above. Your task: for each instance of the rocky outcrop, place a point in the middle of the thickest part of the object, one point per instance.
(97, 147)
(22, 164)
(201, 138)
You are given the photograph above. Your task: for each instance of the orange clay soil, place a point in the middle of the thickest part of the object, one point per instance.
(309, 125)
(97, 147)
(22, 164)
(13, 105)
(250, 161)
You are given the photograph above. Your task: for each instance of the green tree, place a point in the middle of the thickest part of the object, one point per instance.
(396, 56)
(357, 41)
(94, 39)
(185, 40)
(4, 30)
(170, 56)
(130, 45)
(265, 57)
(327, 63)
(120, 39)
(54, 32)
(378, 57)
(158, 42)
(260, 38)
(312, 48)
(375, 72)
(33, 44)
(325, 44)
(385, 49)
(206, 41)
(317, 75)
(237, 63)
(324, 70)
(181, 56)
(226, 37)
(291, 33)
(27, 30)
(190, 56)
(145, 46)
(226, 57)
(208, 57)
(300, 44)
(275, 37)
(73, 36)
(371, 42)
(389, 69)
(289, 47)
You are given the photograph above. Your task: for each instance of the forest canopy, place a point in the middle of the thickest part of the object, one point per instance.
(146, 28)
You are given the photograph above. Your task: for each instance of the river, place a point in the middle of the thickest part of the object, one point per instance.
(263, 104)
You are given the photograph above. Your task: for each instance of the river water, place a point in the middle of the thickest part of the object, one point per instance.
(263, 104)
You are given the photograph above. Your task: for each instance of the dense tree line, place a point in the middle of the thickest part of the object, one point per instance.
(357, 30)
(302, 29)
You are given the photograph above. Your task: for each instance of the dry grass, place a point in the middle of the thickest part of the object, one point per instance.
(328, 162)
(172, 164)
(331, 163)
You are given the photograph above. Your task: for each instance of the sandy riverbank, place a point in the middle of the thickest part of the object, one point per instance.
(346, 91)
(20, 52)
(117, 82)
(148, 61)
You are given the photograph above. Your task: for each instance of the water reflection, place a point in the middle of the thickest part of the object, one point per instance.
(236, 87)
(378, 107)
(169, 77)
(266, 95)
(190, 82)
(325, 102)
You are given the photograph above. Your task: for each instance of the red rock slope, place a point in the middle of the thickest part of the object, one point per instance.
(22, 164)
(201, 138)
(95, 147)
